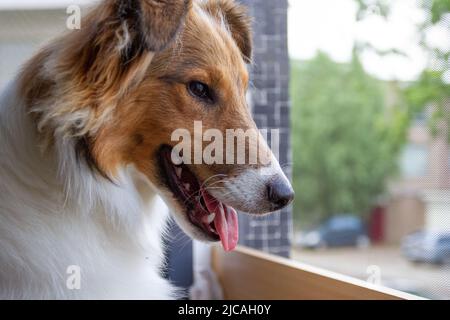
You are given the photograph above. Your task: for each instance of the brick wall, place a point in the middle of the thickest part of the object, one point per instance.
(270, 103)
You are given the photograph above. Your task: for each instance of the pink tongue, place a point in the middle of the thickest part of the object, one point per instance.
(226, 221)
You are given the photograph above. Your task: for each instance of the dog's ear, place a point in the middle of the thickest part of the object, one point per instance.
(115, 45)
(76, 82)
(159, 20)
(132, 24)
(238, 21)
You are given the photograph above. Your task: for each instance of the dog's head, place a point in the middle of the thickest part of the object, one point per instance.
(148, 74)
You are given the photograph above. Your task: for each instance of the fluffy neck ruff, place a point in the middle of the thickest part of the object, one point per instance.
(55, 211)
(59, 170)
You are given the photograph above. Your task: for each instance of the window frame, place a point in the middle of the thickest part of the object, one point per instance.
(249, 274)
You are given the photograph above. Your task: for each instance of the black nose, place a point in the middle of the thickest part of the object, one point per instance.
(280, 193)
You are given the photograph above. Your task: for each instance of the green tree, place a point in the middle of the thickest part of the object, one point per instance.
(345, 141)
(431, 88)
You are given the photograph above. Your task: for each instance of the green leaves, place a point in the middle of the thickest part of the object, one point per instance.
(438, 9)
(430, 90)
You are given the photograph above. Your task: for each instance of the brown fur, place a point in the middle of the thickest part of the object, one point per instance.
(238, 21)
(134, 92)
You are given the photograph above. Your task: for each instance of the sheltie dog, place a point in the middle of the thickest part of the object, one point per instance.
(87, 174)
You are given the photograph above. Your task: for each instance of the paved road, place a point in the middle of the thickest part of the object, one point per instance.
(394, 271)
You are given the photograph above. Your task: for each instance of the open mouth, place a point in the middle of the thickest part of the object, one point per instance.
(216, 220)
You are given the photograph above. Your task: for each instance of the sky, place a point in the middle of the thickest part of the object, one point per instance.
(331, 26)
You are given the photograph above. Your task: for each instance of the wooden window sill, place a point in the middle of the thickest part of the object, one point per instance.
(248, 274)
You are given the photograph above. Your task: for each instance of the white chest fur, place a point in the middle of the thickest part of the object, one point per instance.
(56, 218)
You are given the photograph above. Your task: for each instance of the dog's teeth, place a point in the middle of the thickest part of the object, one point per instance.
(178, 171)
(211, 217)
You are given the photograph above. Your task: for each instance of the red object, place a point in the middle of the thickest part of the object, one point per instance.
(376, 224)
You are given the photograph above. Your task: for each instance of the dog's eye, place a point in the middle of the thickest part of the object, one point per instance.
(200, 90)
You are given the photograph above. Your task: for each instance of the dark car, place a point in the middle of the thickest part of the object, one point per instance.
(428, 247)
(338, 231)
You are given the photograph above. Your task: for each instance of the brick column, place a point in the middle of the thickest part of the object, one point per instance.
(271, 110)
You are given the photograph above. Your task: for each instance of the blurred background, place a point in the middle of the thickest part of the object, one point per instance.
(360, 90)
(370, 90)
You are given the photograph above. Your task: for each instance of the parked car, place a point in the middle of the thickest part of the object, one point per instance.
(338, 231)
(428, 247)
